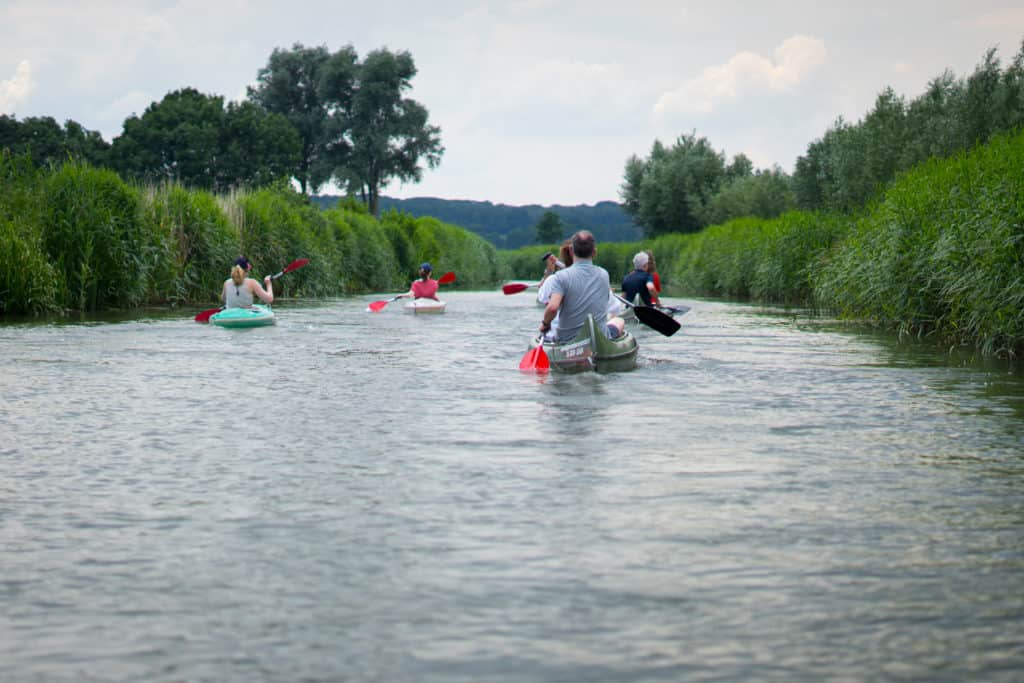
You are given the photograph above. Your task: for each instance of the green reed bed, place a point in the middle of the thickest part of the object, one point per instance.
(941, 253)
(77, 238)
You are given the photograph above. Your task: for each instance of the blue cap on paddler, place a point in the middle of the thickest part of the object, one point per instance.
(243, 262)
(425, 266)
(546, 256)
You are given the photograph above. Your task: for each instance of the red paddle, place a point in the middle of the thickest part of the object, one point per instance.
(204, 317)
(535, 360)
(515, 288)
(377, 306)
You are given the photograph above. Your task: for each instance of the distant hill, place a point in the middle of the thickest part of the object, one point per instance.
(511, 227)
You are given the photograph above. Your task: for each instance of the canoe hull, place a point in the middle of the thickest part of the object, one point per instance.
(256, 316)
(591, 350)
(424, 306)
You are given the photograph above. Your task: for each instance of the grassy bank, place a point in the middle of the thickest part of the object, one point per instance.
(939, 254)
(78, 238)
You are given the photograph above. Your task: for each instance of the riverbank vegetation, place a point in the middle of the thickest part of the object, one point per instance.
(79, 238)
(911, 219)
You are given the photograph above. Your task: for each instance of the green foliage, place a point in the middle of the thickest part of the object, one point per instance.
(42, 139)
(549, 228)
(942, 252)
(670, 191)
(387, 135)
(764, 194)
(28, 281)
(689, 186)
(94, 238)
(193, 239)
(190, 138)
(289, 85)
(354, 121)
(852, 163)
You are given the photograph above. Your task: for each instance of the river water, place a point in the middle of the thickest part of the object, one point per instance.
(350, 496)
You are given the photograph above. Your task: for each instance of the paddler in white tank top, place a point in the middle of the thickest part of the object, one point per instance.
(239, 290)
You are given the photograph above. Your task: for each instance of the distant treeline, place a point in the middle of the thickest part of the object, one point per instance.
(78, 238)
(511, 227)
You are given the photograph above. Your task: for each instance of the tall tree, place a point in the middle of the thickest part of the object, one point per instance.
(290, 85)
(388, 135)
(670, 191)
(549, 228)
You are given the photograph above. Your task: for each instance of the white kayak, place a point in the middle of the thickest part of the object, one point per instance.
(418, 306)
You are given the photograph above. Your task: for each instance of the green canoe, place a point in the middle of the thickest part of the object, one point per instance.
(592, 350)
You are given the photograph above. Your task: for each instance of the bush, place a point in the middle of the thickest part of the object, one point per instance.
(94, 238)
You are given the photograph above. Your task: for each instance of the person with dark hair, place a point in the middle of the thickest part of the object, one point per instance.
(552, 264)
(423, 288)
(239, 289)
(580, 290)
(639, 282)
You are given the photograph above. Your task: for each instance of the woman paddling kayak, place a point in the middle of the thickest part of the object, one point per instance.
(423, 288)
(238, 289)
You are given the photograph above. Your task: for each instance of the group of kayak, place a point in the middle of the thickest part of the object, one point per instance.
(582, 328)
(241, 292)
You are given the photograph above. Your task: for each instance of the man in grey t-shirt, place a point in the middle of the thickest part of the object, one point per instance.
(579, 290)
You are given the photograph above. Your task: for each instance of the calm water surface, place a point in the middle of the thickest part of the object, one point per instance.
(383, 497)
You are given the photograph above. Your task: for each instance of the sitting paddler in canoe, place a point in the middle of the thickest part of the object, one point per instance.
(615, 306)
(423, 293)
(579, 299)
(553, 264)
(640, 283)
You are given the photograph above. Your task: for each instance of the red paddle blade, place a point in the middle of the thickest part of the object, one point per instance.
(295, 265)
(514, 288)
(376, 306)
(204, 317)
(446, 278)
(535, 360)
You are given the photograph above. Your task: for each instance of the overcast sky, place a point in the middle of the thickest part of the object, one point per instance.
(538, 101)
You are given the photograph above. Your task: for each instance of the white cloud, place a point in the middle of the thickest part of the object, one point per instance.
(17, 88)
(744, 74)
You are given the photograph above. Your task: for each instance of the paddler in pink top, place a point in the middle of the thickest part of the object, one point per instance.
(425, 287)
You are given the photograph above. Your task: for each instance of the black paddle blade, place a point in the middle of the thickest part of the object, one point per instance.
(656, 320)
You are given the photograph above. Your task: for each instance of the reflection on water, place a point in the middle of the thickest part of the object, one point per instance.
(354, 496)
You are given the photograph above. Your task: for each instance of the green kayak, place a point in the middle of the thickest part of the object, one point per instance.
(256, 316)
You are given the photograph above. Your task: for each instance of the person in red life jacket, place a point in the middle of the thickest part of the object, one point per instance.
(239, 289)
(423, 288)
(639, 283)
(654, 277)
